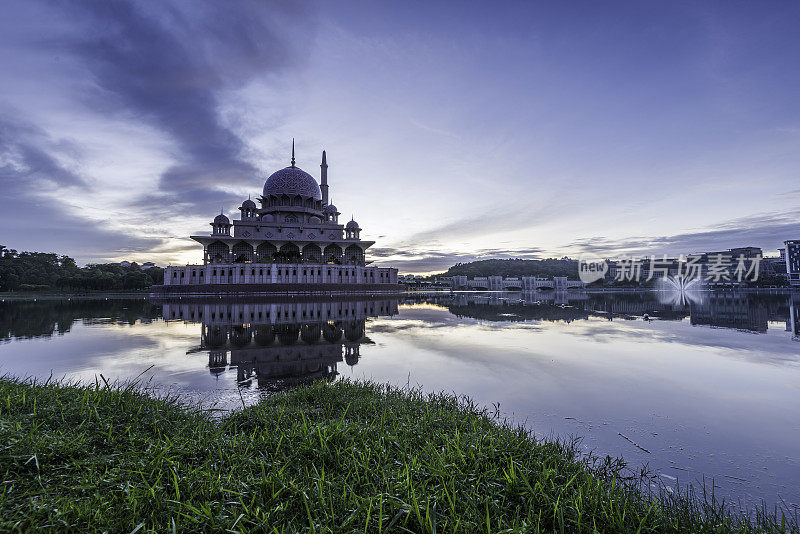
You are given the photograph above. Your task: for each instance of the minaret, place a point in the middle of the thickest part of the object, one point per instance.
(324, 176)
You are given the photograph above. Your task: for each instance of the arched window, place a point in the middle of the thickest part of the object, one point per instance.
(265, 252)
(289, 253)
(242, 252)
(354, 255)
(333, 254)
(218, 252)
(312, 254)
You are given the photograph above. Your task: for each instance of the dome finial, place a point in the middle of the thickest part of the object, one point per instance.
(292, 151)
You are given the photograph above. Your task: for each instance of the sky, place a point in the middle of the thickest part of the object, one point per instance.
(454, 130)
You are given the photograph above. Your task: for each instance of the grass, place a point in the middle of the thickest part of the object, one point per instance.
(343, 457)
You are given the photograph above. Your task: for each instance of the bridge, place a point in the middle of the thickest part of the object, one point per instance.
(524, 283)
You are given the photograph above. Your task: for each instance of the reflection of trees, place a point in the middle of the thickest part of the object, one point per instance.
(310, 333)
(240, 336)
(287, 333)
(332, 332)
(42, 318)
(519, 312)
(264, 335)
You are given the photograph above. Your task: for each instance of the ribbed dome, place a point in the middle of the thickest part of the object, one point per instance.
(352, 225)
(221, 219)
(249, 204)
(292, 181)
(330, 208)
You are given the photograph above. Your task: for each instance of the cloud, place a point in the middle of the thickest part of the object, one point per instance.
(27, 158)
(29, 162)
(165, 64)
(767, 231)
(418, 261)
(492, 220)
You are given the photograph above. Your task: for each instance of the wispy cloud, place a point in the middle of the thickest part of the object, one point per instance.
(29, 162)
(767, 230)
(28, 159)
(165, 64)
(416, 260)
(488, 221)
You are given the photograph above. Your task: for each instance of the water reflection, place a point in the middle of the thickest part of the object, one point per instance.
(245, 320)
(740, 311)
(708, 385)
(30, 319)
(280, 344)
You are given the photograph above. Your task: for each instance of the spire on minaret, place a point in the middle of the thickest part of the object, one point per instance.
(324, 179)
(292, 151)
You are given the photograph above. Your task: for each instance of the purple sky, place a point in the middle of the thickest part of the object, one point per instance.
(453, 130)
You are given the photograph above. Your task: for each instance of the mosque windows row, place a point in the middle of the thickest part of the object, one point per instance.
(296, 201)
(266, 275)
(243, 252)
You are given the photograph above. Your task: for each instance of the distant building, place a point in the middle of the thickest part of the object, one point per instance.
(524, 283)
(147, 265)
(700, 265)
(792, 256)
(125, 264)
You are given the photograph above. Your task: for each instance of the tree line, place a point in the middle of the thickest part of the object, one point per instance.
(36, 271)
(516, 268)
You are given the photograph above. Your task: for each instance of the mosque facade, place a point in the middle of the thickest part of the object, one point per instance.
(291, 240)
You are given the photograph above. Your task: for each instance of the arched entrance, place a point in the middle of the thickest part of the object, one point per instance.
(242, 252)
(312, 254)
(333, 254)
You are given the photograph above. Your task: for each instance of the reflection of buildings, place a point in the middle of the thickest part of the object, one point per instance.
(791, 254)
(281, 343)
(731, 310)
(741, 311)
(793, 323)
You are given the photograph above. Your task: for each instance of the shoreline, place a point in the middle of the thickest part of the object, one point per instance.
(383, 292)
(339, 457)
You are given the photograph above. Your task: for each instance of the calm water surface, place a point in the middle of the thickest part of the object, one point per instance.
(707, 388)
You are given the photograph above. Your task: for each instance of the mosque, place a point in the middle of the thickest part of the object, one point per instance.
(292, 242)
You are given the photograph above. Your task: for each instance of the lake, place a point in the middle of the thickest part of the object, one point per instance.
(699, 387)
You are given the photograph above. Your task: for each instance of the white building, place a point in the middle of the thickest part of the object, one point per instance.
(294, 237)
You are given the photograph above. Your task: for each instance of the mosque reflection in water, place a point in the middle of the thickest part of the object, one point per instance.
(280, 344)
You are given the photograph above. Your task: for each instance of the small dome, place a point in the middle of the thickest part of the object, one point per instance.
(352, 225)
(221, 219)
(292, 181)
(330, 208)
(249, 204)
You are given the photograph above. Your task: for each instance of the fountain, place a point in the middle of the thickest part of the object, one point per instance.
(678, 290)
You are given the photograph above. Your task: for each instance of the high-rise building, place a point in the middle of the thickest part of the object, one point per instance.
(792, 255)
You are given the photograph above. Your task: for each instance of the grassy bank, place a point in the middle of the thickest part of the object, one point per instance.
(327, 458)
